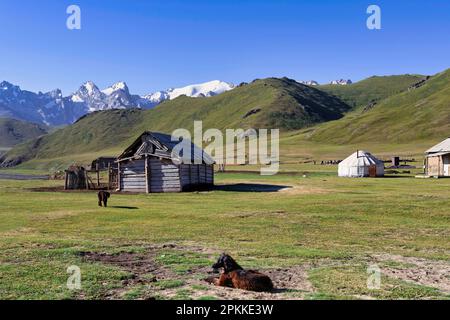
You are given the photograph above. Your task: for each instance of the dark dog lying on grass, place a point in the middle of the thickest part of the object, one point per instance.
(103, 197)
(235, 276)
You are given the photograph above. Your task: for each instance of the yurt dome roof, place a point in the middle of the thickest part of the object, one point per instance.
(360, 158)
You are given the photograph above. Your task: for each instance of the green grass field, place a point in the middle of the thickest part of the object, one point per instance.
(323, 231)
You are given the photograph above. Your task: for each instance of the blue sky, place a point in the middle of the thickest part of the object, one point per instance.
(154, 45)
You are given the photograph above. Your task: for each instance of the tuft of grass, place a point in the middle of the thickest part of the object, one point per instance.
(350, 282)
(207, 298)
(181, 261)
(168, 284)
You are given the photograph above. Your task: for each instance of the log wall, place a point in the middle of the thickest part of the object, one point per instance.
(132, 176)
(163, 176)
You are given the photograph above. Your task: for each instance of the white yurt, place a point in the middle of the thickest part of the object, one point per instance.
(361, 164)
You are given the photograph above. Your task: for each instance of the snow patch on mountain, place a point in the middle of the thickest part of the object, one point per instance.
(206, 89)
(309, 82)
(342, 82)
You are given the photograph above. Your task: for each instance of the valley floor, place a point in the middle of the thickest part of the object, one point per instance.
(315, 234)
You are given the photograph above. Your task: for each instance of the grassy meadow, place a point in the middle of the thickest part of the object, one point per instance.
(322, 230)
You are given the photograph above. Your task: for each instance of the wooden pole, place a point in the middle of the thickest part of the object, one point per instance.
(118, 176)
(109, 176)
(86, 179)
(65, 180)
(98, 176)
(147, 187)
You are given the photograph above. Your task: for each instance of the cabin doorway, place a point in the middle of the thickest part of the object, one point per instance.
(446, 162)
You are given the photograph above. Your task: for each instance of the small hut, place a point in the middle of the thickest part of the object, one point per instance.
(148, 165)
(437, 160)
(75, 178)
(361, 164)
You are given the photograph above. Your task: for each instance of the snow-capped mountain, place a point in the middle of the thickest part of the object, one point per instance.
(341, 82)
(309, 82)
(52, 108)
(206, 89)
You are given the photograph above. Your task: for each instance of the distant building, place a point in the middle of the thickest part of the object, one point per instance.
(148, 166)
(361, 164)
(437, 160)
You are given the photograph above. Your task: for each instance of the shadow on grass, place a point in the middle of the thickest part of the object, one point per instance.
(123, 207)
(250, 187)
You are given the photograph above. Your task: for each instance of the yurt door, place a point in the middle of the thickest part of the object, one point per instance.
(372, 171)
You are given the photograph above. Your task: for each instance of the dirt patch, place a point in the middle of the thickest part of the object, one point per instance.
(432, 273)
(159, 280)
(296, 190)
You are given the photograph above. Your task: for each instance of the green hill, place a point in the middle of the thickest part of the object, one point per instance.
(420, 114)
(373, 89)
(275, 103)
(267, 103)
(14, 131)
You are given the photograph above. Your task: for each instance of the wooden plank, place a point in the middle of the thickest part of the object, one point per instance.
(131, 179)
(165, 190)
(165, 182)
(131, 183)
(147, 188)
(156, 183)
(133, 174)
(169, 174)
(134, 178)
(164, 170)
(118, 176)
(133, 187)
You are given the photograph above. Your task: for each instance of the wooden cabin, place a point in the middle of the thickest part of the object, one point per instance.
(148, 166)
(437, 160)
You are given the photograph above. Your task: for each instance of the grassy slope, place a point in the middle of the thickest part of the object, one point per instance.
(282, 102)
(13, 132)
(375, 88)
(409, 117)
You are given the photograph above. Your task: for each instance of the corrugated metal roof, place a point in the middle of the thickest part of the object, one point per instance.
(440, 147)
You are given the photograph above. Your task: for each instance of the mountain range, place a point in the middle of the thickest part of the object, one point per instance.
(408, 110)
(54, 109)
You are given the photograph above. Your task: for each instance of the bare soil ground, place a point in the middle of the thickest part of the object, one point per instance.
(290, 283)
(430, 273)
